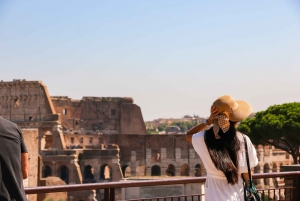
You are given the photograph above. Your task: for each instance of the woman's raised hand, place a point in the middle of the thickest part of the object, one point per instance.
(213, 115)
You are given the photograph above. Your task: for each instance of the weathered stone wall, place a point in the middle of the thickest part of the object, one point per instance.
(132, 121)
(85, 140)
(140, 143)
(31, 141)
(134, 142)
(28, 104)
(57, 196)
(165, 150)
(140, 153)
(70, 111)
(98, 159)
(23, 100)
(100, 115)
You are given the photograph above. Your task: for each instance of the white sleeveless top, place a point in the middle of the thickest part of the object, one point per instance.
(216, 186)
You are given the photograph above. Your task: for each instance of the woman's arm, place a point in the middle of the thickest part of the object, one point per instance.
(202, 126)
(246, 178)
(195, 129)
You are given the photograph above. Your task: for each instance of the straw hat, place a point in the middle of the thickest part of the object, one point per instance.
(237, 110)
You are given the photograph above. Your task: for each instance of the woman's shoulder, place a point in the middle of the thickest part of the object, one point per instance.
(242, 136)
(198, 140)
(198, 136)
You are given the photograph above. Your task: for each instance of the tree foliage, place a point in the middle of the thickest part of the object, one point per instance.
(279, 126)
(162, 127)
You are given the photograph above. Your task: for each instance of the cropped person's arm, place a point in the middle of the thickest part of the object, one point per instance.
(24, 165)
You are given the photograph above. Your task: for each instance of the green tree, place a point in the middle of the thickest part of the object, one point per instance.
(279, 126)
(184, 126)
(162, 127)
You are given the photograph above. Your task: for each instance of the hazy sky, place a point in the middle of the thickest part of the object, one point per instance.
(173, 57)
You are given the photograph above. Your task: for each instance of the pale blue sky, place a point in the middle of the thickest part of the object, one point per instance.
(173, 57)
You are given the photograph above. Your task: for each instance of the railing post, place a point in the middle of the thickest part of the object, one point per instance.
(106, 194)
(109, 194)
(296, 185)
(112, 194)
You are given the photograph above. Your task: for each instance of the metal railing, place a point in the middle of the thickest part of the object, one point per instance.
(292, 190)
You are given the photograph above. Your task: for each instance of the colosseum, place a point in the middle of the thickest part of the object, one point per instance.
(102, 139)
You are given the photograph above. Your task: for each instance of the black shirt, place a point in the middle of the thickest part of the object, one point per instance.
(11, 147)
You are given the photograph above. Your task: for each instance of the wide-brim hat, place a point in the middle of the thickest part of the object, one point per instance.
(237, 110)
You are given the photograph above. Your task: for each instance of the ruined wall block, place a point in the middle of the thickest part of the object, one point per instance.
(31, 140)
(133, 156)
(103, 114)
(25, 100)
(178, 153)
(192, 153)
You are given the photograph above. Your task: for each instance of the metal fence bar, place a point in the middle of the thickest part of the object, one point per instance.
(106, 194)
(173, 198)
(104, 185)
(109, 187)
(296, 184)
(112, 194)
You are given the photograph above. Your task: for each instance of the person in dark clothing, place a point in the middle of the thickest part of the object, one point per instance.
(14, 163)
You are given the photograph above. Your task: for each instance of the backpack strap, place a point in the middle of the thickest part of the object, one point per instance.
(247, 159)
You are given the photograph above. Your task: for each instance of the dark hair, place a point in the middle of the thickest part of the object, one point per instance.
(223, 151)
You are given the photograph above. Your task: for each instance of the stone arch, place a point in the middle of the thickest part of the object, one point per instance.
(155, 170)
(197, 170)
(46, 140)
(276, 196)
(281, 164)
(64, 173)
(105, 172)
(47, 171)
(267, 170)
(184, 170)
(126, 170)
(282, 196)
(257, 169)
(170, 171)
(89, 174)
(274, 167)
(80, 159)
(140, 170)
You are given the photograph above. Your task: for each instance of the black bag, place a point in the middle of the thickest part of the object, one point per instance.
(250, 192)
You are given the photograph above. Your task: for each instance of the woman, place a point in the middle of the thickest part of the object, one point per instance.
(222, 149)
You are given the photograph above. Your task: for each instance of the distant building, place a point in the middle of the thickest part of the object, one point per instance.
(173, 130)
(168, 121)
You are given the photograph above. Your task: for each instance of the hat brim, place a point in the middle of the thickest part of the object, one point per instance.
(243, 110)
